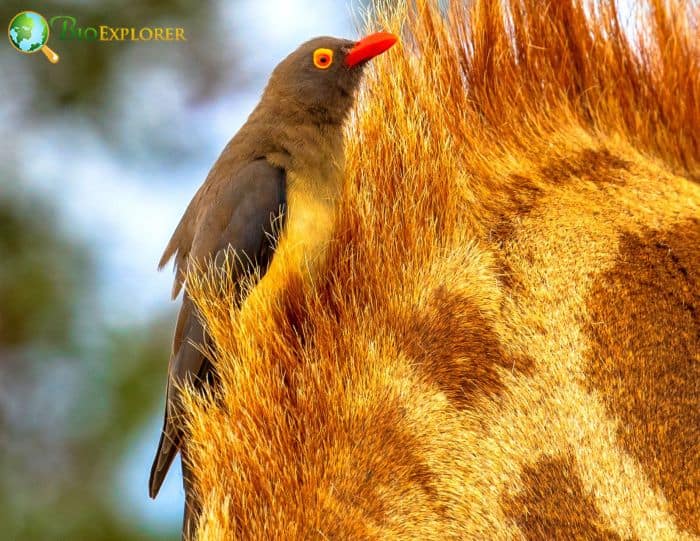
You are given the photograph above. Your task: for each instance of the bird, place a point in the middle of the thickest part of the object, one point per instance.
(275, 184)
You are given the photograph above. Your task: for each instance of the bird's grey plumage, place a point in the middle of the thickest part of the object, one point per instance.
(279, 176)
(253, 201)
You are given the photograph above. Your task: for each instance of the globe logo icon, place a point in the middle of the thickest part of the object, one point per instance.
(29, 33)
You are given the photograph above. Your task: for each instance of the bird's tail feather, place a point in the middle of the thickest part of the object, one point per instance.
(167, 450)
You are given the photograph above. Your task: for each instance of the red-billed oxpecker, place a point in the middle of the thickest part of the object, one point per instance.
(276, 182)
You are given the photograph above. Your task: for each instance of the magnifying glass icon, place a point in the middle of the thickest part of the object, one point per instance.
(29, 32)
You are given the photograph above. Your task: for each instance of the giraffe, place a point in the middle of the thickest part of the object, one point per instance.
(504, 339)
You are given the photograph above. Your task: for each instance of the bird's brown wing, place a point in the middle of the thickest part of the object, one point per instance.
(249, 211)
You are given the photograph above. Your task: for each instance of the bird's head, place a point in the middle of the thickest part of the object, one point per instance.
(320, 78)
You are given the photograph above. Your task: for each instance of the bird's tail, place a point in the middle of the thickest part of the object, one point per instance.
(168, 447)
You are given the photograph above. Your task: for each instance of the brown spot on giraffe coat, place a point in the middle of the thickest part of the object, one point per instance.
(455, 347)
(644, 330)
(554, 505)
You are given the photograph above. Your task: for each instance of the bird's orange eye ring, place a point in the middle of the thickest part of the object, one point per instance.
(323, 58)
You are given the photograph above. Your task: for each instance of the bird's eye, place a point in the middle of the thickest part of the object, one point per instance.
(323, 58)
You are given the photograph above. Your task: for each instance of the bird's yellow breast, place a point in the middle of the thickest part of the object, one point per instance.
(308, 227)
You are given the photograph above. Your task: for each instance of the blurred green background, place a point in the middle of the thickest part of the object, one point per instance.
(99, 155)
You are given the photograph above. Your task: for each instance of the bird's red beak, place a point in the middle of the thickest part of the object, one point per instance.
(369, 47)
